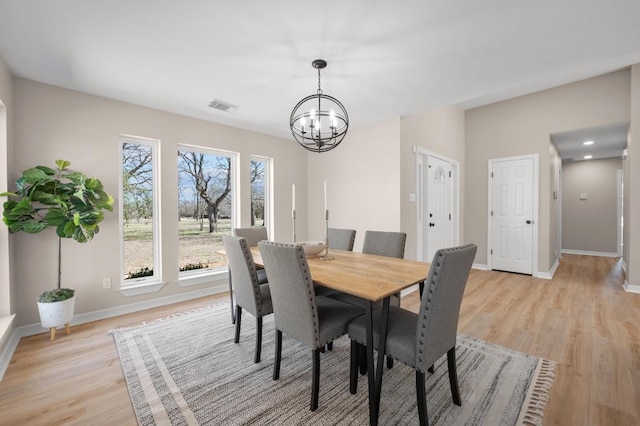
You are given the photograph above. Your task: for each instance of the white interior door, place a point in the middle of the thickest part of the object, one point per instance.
(512, 215)
(437, 215)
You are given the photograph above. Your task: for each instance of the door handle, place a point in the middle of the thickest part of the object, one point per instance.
(431, 224)
(529, 222)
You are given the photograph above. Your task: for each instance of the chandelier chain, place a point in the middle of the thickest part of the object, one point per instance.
(319, 88)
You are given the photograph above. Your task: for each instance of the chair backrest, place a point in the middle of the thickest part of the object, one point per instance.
(243, 274)
(253, 235)
(342, 239)
(292, 293)
(390, 244)
(440, 305)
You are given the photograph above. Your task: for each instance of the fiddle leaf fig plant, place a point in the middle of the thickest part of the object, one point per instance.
(59, 198)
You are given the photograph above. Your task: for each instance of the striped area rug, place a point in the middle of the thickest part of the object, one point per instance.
(186, 370)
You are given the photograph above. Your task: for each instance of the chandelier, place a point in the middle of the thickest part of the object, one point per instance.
(319, 122)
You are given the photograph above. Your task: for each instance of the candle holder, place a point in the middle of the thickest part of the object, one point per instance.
(293, 217)
(326, 256)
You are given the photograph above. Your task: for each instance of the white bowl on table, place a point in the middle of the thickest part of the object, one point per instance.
(312, 248)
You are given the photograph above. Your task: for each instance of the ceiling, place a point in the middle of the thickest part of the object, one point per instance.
(385, 59)
(608, 141)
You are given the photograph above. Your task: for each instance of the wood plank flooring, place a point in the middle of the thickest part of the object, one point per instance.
(582, 319)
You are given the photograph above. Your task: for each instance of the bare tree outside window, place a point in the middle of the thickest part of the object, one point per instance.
(258, 192)
(204, 206)
(137, 209)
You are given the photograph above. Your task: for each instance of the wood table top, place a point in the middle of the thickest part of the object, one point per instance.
(367, 276)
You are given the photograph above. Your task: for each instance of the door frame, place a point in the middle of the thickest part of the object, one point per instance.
(422, 153)
(535, 205)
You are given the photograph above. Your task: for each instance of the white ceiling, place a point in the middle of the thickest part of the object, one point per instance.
(386, 58)
(608, 141)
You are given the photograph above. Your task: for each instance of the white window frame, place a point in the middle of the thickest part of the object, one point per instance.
(152, 283)
(205, 275)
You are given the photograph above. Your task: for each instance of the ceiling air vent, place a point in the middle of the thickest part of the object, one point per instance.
(223, 106)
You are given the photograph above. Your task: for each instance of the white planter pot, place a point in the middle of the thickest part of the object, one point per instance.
(55, 314)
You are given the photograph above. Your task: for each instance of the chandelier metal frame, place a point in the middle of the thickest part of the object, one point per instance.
(319, 122)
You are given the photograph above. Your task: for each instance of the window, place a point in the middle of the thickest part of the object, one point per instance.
(139, 211)
(259, 179)
(205, 208)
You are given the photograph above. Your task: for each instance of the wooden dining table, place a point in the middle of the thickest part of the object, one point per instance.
(372, 278)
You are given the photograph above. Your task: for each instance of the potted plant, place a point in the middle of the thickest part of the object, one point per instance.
(68, 201)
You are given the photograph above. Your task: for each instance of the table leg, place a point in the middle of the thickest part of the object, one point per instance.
(384, 321)
(373, 413)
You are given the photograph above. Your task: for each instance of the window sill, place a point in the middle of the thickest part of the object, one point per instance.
(196, 278)
(145, 288)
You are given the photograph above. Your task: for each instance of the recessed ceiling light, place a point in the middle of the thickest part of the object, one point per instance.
(587, 143)
(588, 157)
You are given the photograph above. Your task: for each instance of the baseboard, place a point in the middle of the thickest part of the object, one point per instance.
(631, 288)
(8, 342)
(552, 271)
(480, 266)
(590, 253)
(8, 349)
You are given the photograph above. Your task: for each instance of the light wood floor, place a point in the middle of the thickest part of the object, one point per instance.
(582, 319)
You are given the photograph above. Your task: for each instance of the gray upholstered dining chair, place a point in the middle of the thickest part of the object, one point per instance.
(390, 244)
(419, 340)
(341, 239)
(253, 235)
(250, 294)
(298, 312)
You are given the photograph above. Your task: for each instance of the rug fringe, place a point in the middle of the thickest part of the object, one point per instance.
(174, 315)
(532, 413)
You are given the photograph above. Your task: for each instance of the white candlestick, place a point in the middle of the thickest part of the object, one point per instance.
(325, 195)
(293, 197)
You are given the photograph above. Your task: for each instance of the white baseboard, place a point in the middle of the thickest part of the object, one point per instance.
(631, 288)
(549, 275)
(590, 253)
(8, 342)
(480, 266)
(7, 350)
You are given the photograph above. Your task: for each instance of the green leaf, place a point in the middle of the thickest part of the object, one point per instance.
(34, 176)
(34, 227)
(76, 219)
(62, 164)
(57, 217)
(47, 170)
(8, 194)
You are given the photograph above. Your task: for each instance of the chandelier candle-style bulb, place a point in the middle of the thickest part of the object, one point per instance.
(327, 117)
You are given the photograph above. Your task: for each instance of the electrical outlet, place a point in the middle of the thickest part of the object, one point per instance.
(106, 283)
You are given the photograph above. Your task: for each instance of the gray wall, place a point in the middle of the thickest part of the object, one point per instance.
(523, 126)
(53, 123)
(590, 225)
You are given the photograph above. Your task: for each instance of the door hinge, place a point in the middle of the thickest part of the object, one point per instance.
(449, 173)
(491, 174)
(491, 212)
(449, 216)
(491, 251)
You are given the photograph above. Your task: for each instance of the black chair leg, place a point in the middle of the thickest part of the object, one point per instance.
(238, 320)
(278, 356)
(315, 380)
(389, 362)
(432, 369)
(362, 358)
(330, 346)
(256, 359)
(453, 376)
(422, 399)
(353, 368)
